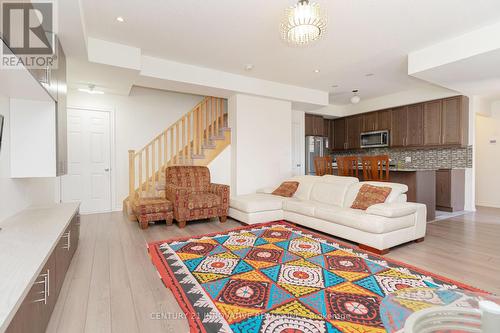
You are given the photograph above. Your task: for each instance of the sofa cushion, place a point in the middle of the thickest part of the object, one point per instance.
(395, 196)
(370, 195)
(305, 186)
(286, 189)
(303, 207)
(361, 220)
(392, 209)
(332, 189)
(259, 202)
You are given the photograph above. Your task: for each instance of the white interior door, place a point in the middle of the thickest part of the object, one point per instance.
(89, 159)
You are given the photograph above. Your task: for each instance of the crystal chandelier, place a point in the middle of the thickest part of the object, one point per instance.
(303, 23)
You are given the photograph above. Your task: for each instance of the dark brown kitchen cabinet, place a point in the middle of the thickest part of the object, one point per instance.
(432, 123)
(34, 313)
(455, 121)
(328, 131)
(370, 121)
(442, 122)
(309, 124)
(415, 122)
(377, 121)
(319, 125)
(383, 120)
(339, 134)
(314, 125)
(450, 189)
(353, 129)
(399, 126)
(75, 234)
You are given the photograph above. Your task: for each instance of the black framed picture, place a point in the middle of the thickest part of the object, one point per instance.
(1, 130)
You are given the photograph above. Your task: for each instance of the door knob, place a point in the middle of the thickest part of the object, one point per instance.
(107, 169)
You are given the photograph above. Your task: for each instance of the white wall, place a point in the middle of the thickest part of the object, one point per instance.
(261, 142)
(138, 117)
(220, 167)
(18, 194)
(488, 158)
(298, 143)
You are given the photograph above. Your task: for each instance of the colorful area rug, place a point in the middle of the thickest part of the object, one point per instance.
(275, 277)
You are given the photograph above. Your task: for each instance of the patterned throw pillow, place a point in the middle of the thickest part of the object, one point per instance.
(286, 189)
(369, 195)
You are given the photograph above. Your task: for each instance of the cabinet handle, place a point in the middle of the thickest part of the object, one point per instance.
(46, 287)
(68, 240)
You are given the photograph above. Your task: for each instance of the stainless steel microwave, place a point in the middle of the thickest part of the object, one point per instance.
(375, 139)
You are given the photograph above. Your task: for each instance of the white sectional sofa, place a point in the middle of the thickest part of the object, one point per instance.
(323, 204)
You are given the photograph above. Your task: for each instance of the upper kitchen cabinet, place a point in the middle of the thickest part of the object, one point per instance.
(446, 122)
(383, 120)
(377, 121)
(432, 123)
(455, 121)
(415, 125)
(353, 129)
(38, 124)
(399, 126)
(370, 121)
(339, 134)
(328, 133)
(309, 124)
(314, 125)
(61, 114)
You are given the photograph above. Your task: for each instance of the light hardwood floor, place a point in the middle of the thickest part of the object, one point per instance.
(112, 286)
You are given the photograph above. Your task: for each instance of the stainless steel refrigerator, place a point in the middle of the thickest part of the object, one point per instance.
(315, 146)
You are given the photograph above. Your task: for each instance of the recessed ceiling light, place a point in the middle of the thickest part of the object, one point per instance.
(91, 90)
(248, 67)
(317, 71)
(120, 19)
(369, 74)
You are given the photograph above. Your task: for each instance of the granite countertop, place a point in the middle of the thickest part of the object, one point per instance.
(26, 241)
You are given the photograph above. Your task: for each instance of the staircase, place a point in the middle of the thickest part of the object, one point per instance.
(195, 139)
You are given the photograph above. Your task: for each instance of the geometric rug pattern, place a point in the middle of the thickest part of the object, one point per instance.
(275, 277)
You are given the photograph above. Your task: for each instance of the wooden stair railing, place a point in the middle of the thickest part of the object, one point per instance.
(178, 144)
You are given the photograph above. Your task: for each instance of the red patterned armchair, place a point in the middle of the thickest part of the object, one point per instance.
(189, 189)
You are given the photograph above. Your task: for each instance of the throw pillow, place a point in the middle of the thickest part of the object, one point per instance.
(286, 189)
(370, 195)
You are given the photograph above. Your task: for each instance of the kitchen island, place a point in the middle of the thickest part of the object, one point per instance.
(421, 186)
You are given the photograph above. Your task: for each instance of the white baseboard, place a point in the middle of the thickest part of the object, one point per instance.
(487, 204)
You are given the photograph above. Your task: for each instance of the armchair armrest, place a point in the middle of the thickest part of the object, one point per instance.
(223, 192)
(395, 209)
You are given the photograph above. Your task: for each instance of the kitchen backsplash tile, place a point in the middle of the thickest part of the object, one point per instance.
(431, 158)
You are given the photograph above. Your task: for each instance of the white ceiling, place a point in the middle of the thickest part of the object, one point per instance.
(365, 36)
